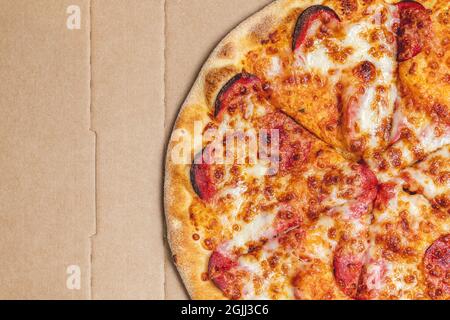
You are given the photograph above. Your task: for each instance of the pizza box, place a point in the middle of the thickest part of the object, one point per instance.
(89, 94)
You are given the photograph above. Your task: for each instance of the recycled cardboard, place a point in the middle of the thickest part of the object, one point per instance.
(47, 195)
(87, 107)
(128, 118)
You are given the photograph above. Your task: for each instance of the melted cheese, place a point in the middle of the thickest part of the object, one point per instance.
(373, 109)
(259, 170)
(275, 67)
(261, 226)
(430, 184)
(398, 243)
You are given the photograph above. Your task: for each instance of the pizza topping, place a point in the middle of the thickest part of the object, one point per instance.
(372, 279)
(224, 273)
(365, 71)
(294, 142)
(386, 192)
(368, 185)
(361, 202)
(230, 96)
(348, 263)
(414, 29)
(203, 178)
(313, 20)
(437, 268)
(414, 143)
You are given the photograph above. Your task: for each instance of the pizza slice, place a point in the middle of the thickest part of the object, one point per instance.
(337, 78)
(421, 123)
(256, 205)
(409, 254)
(320, 260)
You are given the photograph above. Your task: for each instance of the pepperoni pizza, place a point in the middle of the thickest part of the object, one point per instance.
(311, 157)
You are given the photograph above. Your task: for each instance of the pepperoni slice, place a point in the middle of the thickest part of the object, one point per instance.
(369, 183)
(230, 96)
(414, 29)
(324, 14)
(203, 177)
(386, 192)
(348, 264)
(437, 268)
(368, 192)
(294, 142)
(223, 273)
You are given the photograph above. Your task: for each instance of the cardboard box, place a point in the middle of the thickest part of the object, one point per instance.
(89, 93)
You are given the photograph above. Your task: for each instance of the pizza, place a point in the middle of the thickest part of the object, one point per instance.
(311, 158)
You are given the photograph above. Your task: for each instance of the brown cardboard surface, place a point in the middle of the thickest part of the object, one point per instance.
(193, 29)
(128, 117)
(46, 151)
(86, 115)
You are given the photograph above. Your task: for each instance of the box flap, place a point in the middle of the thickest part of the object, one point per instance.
(128, 118)
(47, 189)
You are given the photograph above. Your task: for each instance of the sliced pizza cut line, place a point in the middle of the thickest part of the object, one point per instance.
(431, 178)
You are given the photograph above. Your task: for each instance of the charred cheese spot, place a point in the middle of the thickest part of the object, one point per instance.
(365, 71)
(348, 7)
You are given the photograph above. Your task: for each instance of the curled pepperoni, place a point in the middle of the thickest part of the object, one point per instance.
(203, 177)
(324, 14)
(414, 29)
(437, 268)
(369, 183)
(230, 96)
